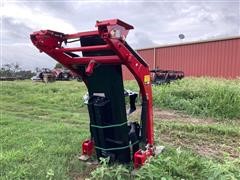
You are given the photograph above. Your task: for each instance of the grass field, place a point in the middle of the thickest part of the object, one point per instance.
(43, 125)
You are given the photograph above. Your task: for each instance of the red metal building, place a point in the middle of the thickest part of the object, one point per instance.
(214, 58)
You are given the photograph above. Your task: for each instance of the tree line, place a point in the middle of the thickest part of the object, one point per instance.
(13, 70)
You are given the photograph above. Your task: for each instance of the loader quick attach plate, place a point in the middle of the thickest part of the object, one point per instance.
(104, 52)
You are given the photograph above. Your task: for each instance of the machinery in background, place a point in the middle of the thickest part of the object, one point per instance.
(58, 74)
(62, 74)
(160, 76)
(45, 75)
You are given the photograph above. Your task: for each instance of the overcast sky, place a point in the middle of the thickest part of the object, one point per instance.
(156, 23)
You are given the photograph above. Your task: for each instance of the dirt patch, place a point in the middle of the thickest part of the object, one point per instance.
(204, 144)
(213, 147)
(174, 116)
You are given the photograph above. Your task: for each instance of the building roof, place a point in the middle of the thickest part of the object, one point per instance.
(192, 42)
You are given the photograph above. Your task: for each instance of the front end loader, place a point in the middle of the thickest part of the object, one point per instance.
(98, 59)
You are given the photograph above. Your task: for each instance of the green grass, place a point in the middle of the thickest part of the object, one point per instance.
(43, 125)
(232, 130)
(32, 148)
(173, 164)
(204, 97)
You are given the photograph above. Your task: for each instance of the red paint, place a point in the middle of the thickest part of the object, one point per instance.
(87, 147)
(217, 58)
(140, 157)
(50, 42)
(90, 67)
(147, 55)
(89, 48)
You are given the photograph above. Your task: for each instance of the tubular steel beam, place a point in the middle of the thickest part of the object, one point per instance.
(85, 49)
(81, 34)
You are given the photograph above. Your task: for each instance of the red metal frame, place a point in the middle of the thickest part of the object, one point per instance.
(50, 42)
(87, 147)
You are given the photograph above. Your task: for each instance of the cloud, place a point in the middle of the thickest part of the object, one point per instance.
(140, 39)
(156, 23)
(15, 32)
(26, 55)
(34, 18)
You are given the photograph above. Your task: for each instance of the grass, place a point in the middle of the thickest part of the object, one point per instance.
(43, 125)
(204, 97)
(211, 129)
(173, 164)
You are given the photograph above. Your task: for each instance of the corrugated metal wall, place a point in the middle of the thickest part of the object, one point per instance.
(218, 58)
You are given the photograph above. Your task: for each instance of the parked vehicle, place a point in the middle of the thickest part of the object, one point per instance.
(45, 75)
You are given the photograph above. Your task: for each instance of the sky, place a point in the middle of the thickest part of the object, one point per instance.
(155, 23)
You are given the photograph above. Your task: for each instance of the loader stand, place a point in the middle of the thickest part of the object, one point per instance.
(102, 54)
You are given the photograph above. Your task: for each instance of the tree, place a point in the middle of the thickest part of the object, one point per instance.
(15, 67)
(6, 70)
(37, 69)
(14, 70)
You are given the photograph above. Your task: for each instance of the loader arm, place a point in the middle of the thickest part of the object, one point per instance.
(105, 47)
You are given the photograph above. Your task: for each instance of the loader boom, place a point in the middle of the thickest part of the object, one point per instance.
(104, 52)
